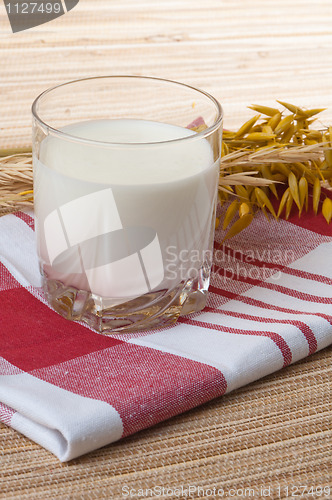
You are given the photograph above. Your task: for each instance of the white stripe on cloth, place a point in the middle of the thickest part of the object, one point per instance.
(64, 423)
(240, 358)
(279, 299)
(302, 285)
(292, 335)
(316, 261)
(18, 251)
(319, 326)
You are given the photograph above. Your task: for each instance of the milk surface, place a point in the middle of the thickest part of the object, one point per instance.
(116, 219)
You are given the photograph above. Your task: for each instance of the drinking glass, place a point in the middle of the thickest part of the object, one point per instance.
(125, 183)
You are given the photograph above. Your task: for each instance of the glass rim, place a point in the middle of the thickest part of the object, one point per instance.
(55, 131)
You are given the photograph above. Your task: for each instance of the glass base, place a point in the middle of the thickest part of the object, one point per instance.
(150, 311)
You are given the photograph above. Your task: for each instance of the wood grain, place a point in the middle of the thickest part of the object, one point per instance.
(241, 52)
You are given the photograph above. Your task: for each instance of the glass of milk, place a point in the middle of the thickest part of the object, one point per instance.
(125, 181)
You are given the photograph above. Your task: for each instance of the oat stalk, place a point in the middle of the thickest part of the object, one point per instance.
(15, 182)
(278, 148)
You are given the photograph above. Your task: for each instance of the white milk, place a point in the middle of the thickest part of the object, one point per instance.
(126, 218)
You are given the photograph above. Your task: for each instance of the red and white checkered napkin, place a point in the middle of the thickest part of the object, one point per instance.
(73, 390)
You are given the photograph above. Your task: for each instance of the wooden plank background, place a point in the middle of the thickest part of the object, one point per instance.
(243, 52)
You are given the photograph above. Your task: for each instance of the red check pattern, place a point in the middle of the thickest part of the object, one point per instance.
(63, 384)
